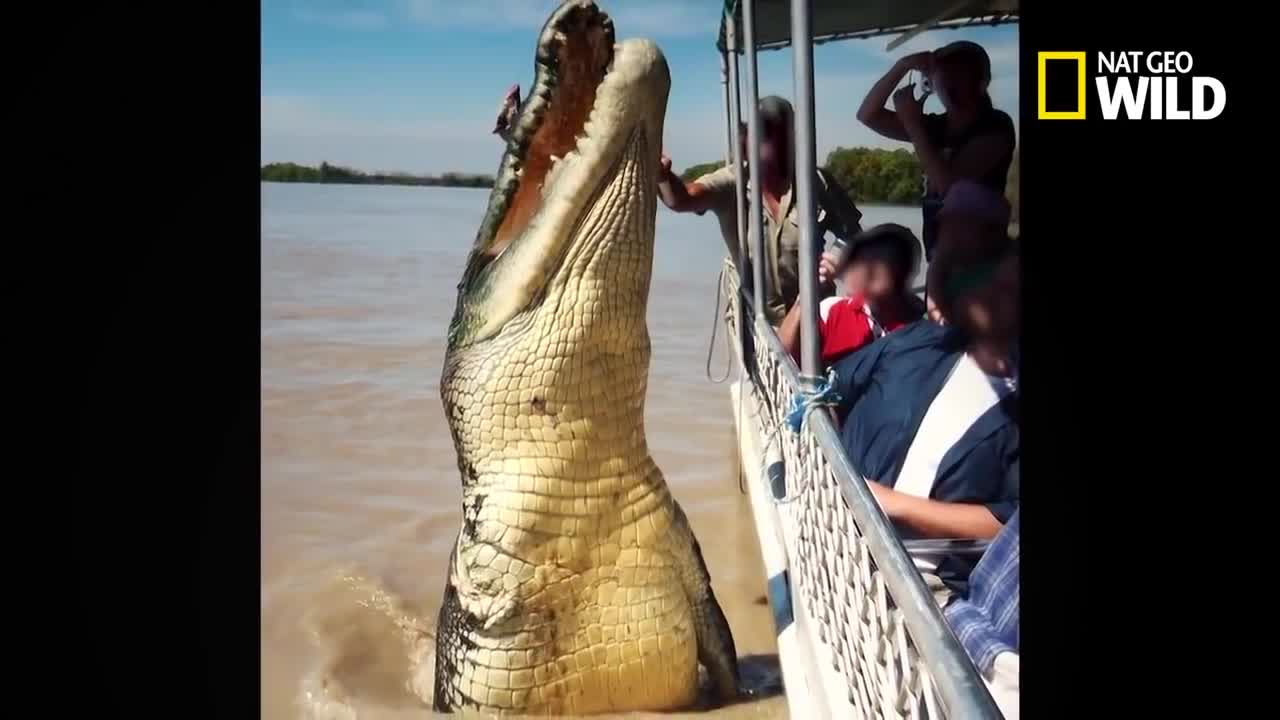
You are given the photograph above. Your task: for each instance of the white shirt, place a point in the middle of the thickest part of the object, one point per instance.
(967, 394)
(824, 307)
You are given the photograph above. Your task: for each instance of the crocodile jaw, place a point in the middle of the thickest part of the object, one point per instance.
(549, 346)
(595, 112)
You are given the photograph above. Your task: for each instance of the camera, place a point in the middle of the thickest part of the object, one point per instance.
(840, 251)
(923, 83)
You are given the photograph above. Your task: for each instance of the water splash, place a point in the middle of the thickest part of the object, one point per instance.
(376, 653)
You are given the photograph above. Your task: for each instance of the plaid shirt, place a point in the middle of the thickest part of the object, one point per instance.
(986, 622)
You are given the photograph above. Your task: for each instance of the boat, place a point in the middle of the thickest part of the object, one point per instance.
(859, 633)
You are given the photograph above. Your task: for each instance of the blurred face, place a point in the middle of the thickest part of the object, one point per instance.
(986, 298)
(877, 270)
(965, 238)
(773, 148)
(854, 278)
(958, 82)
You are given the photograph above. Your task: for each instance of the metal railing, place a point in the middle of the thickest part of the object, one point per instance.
(853, 576)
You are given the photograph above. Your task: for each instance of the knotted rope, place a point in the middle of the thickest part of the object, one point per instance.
(824, 394)
(803, 402)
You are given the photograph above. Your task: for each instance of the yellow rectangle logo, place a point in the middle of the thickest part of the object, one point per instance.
(1081, 104)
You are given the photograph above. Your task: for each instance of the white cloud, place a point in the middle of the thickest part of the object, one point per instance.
(310, 116)
(667, 19)
(480, 14)
(659, 18)
(308, 131)
(339, 130)
(345, 19)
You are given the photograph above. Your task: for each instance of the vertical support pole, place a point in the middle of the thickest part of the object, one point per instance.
(735, 119)
(758, 258)
(806, 152)
(730, 131)
(735, 152)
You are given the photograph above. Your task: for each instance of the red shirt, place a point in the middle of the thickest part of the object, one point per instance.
(846, 326)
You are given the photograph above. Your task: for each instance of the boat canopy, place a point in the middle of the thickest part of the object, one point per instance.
(847, 19)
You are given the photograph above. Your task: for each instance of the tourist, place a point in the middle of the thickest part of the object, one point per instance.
(985, 619)
(716, 191)
(973, 221)
(929, 413)
(970, 139)
(875, 267)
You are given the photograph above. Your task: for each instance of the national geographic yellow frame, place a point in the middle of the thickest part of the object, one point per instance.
(1081, 105)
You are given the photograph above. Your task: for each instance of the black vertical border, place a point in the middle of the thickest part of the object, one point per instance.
(1138, 273)
(152, 118)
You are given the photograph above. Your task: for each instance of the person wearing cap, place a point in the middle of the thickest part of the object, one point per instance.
(716, 191)
(874, 267)
(970, 140)
(929, 414)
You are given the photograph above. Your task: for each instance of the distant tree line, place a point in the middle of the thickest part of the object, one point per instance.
(875, 175)
(326, 173)
(693, 172)
(870, 175)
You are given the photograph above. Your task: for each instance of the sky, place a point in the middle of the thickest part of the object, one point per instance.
(414, 85)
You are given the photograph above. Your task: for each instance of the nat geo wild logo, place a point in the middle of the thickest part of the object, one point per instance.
(1132, 85)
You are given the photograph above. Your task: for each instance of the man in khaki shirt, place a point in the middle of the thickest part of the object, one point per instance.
(715, 191)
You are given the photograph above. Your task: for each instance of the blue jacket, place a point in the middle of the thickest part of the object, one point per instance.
(885, 389)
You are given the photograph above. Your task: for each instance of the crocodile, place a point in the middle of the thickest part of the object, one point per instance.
(575, 585)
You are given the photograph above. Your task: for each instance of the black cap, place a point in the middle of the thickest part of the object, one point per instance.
(906, 240)
(965, 48)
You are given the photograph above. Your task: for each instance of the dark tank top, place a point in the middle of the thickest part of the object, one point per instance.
(935, 125)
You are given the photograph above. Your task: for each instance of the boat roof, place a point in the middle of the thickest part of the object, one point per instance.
(849, 19)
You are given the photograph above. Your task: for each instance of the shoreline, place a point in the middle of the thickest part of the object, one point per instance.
(326, 174)
(455, 186)
(474, 187)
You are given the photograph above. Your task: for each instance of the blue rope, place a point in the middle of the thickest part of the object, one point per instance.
(803, 402)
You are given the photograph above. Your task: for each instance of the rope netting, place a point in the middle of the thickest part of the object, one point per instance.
(831, 567)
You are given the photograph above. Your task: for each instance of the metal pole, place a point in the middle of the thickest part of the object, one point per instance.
(735, 151)
(730, 131)
(758, 258)
(805, 161)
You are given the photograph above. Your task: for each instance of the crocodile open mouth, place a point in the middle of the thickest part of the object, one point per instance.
(575, 53)
(594, 107)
